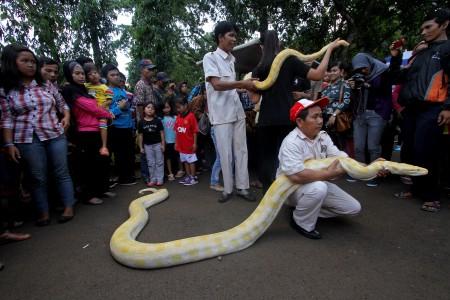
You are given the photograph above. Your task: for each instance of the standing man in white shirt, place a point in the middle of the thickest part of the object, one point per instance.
(316, 197)
(226, 113)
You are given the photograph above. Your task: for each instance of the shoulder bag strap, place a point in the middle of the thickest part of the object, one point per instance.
(341, 92)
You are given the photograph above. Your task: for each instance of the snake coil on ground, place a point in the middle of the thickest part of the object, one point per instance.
(126, 250)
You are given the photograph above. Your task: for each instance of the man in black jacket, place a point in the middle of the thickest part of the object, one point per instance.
(427, 106)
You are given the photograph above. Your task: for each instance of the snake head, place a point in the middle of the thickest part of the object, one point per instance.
(343, 43)
(410, 170)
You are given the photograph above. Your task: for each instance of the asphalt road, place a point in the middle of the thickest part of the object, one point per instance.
(393, 250)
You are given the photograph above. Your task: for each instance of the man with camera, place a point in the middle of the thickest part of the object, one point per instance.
(371, 85)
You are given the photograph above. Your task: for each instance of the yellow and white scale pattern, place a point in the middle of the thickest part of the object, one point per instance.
(126, 250)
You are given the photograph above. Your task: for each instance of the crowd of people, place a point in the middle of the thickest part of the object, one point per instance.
(77, 138)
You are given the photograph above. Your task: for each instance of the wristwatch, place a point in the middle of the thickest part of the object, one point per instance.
(334, 115)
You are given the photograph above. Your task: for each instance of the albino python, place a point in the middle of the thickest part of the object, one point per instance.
(126, 250)
(281, 57)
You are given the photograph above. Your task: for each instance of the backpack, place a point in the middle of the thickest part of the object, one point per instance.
(194, 92)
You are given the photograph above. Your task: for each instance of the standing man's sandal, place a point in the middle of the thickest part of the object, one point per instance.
(246, 194)
(224, 197)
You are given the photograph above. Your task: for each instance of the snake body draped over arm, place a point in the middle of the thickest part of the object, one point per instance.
(281, 57)
(126, 250)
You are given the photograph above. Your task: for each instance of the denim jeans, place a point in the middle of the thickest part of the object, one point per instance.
(368, 128)
(155, 162)
(215, 171)
(144, 168)
(37, 156)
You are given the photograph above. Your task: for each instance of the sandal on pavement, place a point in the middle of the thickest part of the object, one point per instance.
(94, 201)
(109, 194)
(433, 206)
(104, 151)
(64, 219)
(42, 222)
(9, 237)
(403, 195)
(256, 184)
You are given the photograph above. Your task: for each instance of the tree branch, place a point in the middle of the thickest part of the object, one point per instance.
(340, 8)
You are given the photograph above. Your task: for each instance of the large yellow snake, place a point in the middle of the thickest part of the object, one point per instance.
(281, 57)
(126, 250)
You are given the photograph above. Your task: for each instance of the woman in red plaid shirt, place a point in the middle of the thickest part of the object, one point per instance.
(32, 129)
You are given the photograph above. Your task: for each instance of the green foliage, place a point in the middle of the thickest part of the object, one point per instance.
(170, 32)
(62, 29)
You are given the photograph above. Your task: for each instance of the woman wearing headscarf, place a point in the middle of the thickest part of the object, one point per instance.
(372, 87)
(93, 166)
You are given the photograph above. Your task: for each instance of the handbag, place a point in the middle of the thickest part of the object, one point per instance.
(344, 118)
(204, 126)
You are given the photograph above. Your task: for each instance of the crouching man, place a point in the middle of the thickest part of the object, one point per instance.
(316, 197)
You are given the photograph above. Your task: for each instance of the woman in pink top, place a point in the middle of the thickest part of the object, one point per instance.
(93, 166)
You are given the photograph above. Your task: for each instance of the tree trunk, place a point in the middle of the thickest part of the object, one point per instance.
(263, 21)
(95, 43)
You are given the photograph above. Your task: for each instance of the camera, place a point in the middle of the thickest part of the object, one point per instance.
(359, 80)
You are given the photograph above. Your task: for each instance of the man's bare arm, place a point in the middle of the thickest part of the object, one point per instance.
(307, 175)
(220, 85)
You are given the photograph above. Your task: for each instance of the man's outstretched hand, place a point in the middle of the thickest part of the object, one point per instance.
(382, 173)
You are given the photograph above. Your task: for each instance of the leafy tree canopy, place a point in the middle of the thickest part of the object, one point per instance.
(171, 32)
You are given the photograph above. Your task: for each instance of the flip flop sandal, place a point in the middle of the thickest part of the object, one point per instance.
(431, 206)
(256, 184)
(403, 195)
(94, 201)
(10, 237)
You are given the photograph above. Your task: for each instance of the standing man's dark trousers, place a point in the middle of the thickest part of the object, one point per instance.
(421, 146)
(269, 139)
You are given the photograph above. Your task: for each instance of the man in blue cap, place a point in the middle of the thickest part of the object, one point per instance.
(160, 89)
(143, 91)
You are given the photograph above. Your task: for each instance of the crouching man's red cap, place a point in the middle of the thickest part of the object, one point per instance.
(304, 104)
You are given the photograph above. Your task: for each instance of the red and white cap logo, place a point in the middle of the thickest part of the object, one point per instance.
(303, 104)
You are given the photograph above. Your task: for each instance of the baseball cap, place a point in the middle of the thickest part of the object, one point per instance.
(162, 76)
(146, 63)
(303, 104)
